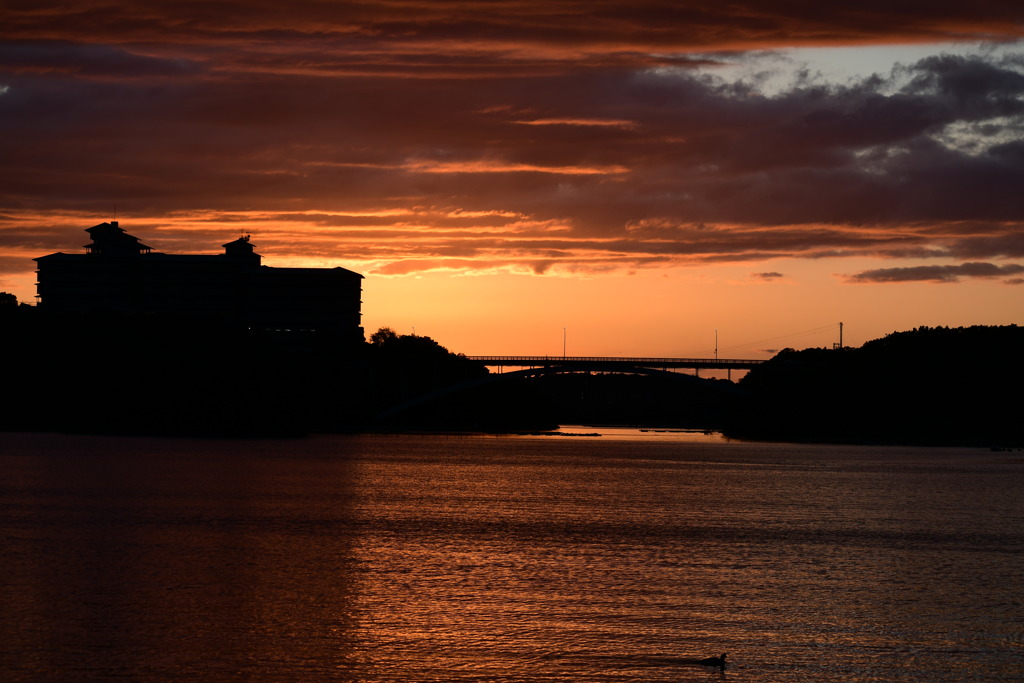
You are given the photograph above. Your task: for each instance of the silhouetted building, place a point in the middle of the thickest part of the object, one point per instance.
(119, 273)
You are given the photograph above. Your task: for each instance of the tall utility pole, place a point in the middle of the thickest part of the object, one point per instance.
(563, 343)
(716, 344)
(840, 344)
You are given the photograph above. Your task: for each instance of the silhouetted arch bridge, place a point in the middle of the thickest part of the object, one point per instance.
(553, 365)
(561, 364)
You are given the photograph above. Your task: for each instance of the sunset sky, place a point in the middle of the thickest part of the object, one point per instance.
(629, 178)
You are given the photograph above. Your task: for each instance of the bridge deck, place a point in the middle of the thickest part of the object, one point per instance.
(612, 362)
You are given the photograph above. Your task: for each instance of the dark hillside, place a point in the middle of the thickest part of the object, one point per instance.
(928, 385)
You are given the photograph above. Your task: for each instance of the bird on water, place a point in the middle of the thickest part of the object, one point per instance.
(714, 661)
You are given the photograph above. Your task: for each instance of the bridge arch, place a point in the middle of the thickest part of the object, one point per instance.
(621, 364)
(537, 366)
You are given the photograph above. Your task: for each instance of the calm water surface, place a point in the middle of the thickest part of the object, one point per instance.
(519, 558)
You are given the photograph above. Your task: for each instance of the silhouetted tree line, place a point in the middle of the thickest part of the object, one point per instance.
(418, 384)
(930, 385)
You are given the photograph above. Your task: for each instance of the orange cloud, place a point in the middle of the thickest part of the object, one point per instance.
(500, 167)
(613, 123)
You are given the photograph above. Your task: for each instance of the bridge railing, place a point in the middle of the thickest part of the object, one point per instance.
(532, 361)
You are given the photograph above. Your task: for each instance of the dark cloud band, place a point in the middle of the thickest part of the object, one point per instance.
(943, 273)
